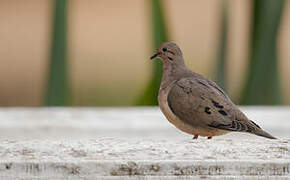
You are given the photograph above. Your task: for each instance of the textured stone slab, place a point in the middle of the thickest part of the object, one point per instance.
(114, 157)
(135, 143)
(87, 123)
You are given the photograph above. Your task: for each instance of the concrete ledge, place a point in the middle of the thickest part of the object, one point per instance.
(75, 143)
(88, 123)
(122, 158)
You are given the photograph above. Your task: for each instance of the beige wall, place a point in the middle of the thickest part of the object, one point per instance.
(109, 46)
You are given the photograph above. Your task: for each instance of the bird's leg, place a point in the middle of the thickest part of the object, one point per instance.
(195, 136)
(209, 137)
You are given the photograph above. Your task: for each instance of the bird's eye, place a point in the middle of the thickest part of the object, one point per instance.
(164, 49)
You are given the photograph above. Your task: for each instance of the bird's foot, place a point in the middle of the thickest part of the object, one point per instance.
(209, 137)
(195, 136)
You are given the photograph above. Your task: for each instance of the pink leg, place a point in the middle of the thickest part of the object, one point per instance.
(195, 136)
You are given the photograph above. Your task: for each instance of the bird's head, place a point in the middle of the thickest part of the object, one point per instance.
(168, 52)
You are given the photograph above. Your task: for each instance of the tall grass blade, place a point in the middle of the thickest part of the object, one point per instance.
(221, 74)
(159, 32)
(263, 82)
(57, 85)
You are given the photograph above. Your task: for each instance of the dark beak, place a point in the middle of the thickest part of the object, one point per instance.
(154, 55)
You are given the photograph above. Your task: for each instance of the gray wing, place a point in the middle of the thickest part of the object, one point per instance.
(200, 102)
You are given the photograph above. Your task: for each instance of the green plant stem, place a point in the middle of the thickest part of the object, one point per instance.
(263, 82)
(57, 85)
(159, 32)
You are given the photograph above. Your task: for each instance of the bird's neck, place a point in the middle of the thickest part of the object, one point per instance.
(172, 72)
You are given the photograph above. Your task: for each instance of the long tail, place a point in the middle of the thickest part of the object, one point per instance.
(261, 132)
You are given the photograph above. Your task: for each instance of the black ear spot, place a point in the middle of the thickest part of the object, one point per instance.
(207, 110)
(164, 49)
(216, 104)
(222, 112)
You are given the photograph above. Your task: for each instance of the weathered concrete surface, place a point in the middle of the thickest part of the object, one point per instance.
(87, 123)
(135, 143)
(113, 157)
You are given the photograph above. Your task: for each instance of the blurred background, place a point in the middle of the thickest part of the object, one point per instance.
(96, 53)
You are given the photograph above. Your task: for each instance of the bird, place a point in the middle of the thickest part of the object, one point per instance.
(194, 104)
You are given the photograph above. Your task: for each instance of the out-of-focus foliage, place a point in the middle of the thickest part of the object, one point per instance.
(263, 82)
(262, 85)
(159, 32)
(57, 85)
(221, 75)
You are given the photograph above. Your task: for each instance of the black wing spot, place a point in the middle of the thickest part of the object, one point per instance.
(216, 104)
(222, 112)
(207, 110)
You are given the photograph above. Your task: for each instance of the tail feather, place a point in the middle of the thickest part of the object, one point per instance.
(261, 132)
